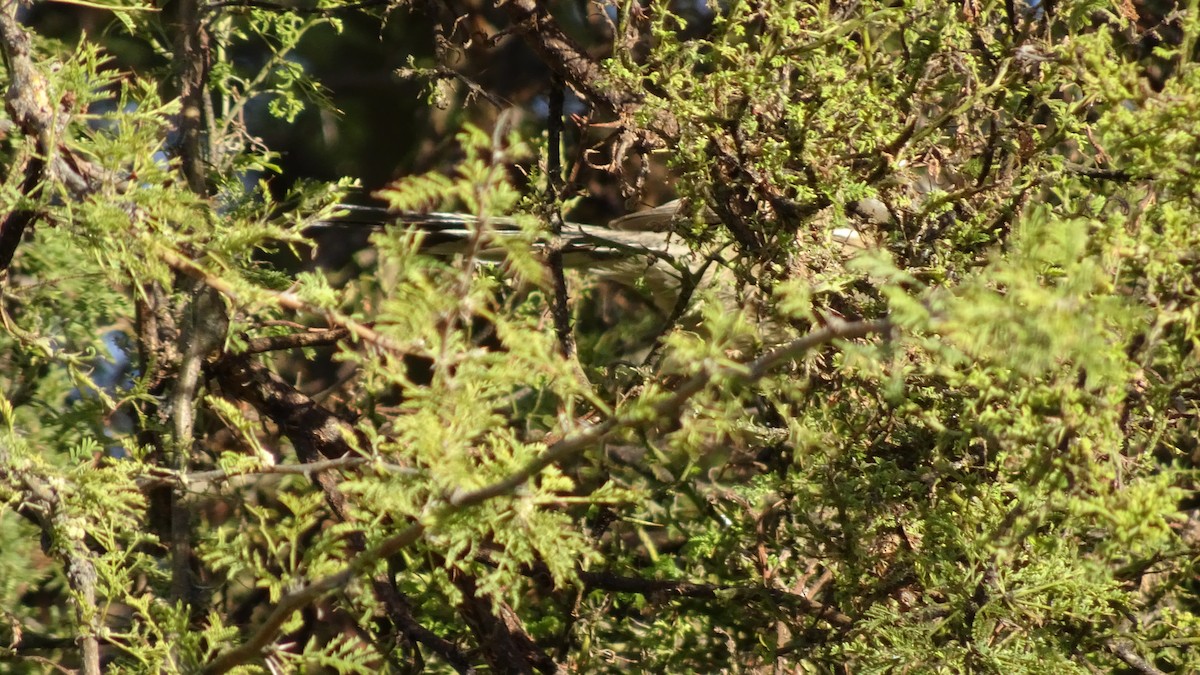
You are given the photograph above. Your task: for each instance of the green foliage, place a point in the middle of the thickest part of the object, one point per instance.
(394, 449)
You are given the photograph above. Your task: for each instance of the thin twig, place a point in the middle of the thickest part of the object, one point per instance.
(445, 73)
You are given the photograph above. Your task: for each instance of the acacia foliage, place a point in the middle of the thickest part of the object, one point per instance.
(969, 447)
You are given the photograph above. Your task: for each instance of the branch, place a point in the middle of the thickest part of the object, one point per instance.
(315, 432)
(288, 9)
(567, 59)
(202, 331)
(507, 646)
(63, 534)
(1123, 650)
(312, 429)
(26, 103)
(205, 320)
(26, 99)
(13, 226)
(314, 338)
(564, 56)
(445, 73)
(400, 612)
(191, 63)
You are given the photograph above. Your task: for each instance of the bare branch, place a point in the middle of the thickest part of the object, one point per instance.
(315, 338)
(1123, 650)
(63, 539)
(289, 9)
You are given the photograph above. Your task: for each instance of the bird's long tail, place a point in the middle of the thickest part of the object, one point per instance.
(450, 233)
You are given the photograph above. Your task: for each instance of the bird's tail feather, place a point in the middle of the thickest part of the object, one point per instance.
(449, 233)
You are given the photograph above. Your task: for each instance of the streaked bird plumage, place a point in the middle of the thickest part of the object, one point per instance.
(640, 250)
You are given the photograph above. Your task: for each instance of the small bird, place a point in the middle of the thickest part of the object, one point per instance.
(640, 252)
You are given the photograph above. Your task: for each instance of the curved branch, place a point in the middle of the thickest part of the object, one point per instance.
(297, 600)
